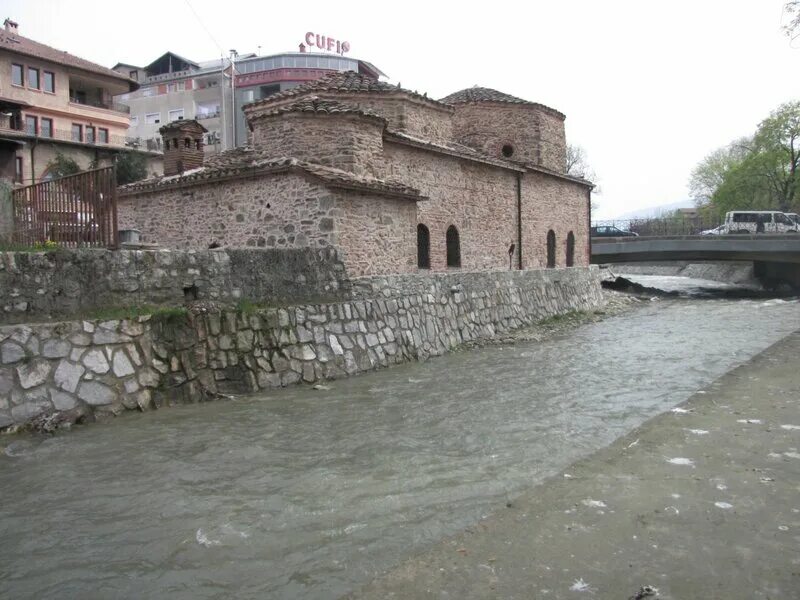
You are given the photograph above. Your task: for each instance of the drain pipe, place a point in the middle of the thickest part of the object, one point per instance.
(589, 219)
(519, 221)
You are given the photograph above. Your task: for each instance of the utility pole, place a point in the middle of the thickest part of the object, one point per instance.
(234, 54)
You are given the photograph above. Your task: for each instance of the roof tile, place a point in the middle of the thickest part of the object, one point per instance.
(342, 81)
(16, 43)
(484, 94)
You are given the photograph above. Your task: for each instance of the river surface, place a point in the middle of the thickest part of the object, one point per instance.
(308, 494)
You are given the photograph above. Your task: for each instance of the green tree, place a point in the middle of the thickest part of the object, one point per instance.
(131, 166)
(759, 173)
(709, 174)
(61, 166)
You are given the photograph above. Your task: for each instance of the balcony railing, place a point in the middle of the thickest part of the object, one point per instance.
(206, 115)
(64, 135)
(151, 144)
(115, 106)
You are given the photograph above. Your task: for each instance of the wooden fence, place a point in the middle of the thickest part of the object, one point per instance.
(74, 211)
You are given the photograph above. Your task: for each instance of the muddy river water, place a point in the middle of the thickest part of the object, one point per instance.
(306, 494)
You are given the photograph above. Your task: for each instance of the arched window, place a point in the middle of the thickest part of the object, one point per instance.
(551, 249)
(453, 247)
(570, 249)
(423, 247)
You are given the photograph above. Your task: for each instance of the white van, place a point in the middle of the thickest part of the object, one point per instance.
(758, 221)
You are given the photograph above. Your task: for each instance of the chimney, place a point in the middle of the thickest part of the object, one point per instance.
(11, 26)
(302, 47)
(183, 146)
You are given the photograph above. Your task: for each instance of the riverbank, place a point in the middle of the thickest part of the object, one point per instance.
(699, 502)
(614, 303)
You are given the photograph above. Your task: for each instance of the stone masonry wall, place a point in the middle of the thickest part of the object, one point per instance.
(72, 371)
(346, 141)
(478, 199)
(283, 211)
(557, 204)
(536, 134)
(376, 235)
(429, 122)
(58, 284)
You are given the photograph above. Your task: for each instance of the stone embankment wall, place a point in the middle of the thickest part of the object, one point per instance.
(63, 283)
(62, 372)
(725, 272)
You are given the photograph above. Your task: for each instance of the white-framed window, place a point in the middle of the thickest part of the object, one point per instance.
(151, 91)
(134, 121)
(176, 115)
(177, 86)
(152, 118)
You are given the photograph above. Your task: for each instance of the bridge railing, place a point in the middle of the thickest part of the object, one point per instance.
(661, 226)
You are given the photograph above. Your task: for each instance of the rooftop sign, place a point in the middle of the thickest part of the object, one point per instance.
(329, 44)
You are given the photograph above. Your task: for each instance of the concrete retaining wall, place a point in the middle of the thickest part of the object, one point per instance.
(69, 371)
(35, 286)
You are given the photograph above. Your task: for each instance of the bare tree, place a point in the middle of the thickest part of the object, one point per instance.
(792, 11)
(578, 164)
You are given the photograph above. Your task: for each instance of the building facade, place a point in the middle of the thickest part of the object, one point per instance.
(52, 103)
(172, 88)
(397, 182)
(175, 88)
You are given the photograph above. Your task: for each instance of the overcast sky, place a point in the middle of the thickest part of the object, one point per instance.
(649, 88)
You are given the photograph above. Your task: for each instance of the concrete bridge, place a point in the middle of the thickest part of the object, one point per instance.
(776, 258)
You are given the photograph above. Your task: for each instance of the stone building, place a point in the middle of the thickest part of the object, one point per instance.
(392, 179)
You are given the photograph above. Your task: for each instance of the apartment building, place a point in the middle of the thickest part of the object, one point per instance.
(52, 102)
(173, 87)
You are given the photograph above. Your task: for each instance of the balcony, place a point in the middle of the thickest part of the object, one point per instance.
(115, 106)
(207, 115)
(153, 144)
(59, 135)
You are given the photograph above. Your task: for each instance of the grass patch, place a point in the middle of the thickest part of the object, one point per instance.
(567, 317)
(159, 313)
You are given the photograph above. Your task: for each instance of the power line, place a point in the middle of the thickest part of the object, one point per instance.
(199, 20)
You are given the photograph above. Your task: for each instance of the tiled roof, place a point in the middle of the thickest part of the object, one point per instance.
(315, 104)
(453, 149)
(245, 161)
(182, 124)
(484, 94)
(16, 43)
(343, 81)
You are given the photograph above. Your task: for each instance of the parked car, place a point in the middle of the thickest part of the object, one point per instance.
(715, 231)
(794, 217)
(759, 221)
(611, 231)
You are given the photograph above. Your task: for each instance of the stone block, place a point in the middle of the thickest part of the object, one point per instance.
(67, 375)
(121, 364)
(28, 410)
(11, 352)
(95, 393)
(33, 373)
(95, 360)
(62, 400)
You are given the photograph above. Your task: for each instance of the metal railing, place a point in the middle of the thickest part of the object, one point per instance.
(73, 211)
(115, 106)
(66, 136)
(661, 226)
(206, 115)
